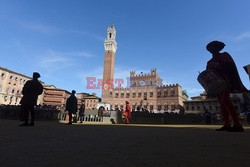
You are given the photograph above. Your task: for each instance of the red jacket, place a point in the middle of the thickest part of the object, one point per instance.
(128, 110)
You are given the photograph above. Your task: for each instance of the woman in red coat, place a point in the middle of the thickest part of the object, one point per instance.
(223, 65)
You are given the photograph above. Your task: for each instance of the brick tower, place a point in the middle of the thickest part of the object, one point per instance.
(110, 46)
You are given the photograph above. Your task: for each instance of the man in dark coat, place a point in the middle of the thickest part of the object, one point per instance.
(223, 65)
(31, 90)
(81, 112)
(71, 106)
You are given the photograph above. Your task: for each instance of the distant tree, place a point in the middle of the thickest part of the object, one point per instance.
(184, 92)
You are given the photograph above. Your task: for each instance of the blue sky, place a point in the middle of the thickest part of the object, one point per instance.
(63, 39)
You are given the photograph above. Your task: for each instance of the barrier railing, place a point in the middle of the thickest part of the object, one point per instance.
(41, 113)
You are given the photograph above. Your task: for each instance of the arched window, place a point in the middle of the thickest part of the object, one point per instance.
(151, 107)
(8, 90)
(3, 75)
(5, 98)
(172, 107)
(159, 107)
(165, 107)
(172, 92)
(122, 95)
(127, 95)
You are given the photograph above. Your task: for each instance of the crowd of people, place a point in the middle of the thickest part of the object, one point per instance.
(42, 112)
(46, 112)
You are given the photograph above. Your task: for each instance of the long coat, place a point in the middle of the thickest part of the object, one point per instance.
(224, 65)
(31, 90)
(81, 111)
(71, 104)
(128, 110)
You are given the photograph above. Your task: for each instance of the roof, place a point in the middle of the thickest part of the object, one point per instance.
(10, 71)
(87, 95)
(56, 89)
(6, 69)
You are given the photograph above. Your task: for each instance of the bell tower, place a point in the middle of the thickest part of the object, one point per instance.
(110, 46)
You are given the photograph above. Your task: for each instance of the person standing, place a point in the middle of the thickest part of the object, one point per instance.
(71, 106)
(224, 66)
(128, 112)
(208, 117)
(31, 90)
(81, 112)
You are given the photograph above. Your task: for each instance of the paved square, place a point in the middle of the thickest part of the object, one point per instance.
(57, 144)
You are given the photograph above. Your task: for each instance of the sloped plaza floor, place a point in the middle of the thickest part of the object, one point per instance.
(87, 145)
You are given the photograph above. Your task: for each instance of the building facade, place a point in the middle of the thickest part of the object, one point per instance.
(145, 93)
(201, 103)
(53, 96)
(90, 100)
(144, 90)
(11, 85)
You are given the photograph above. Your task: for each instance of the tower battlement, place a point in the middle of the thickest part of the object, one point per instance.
(153, 73)
(110, 42)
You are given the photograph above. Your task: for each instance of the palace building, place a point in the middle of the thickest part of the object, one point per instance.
(90, 100)
(53, 96)
(144, 90)
(199, 104)
(11, 85)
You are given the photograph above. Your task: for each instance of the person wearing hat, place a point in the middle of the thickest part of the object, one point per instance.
(224, 66)
(71, 106)
(31, 90)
